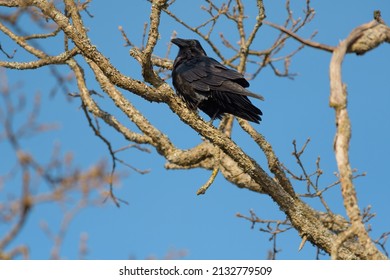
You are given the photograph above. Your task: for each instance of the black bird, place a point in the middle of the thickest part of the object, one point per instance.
(206, 84)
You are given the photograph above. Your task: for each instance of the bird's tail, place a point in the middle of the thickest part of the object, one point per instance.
(240, 106)
(248, 112)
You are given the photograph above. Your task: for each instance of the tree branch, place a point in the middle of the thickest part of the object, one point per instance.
(49, 60)
(338, 100)
(299, 39)
(218, 151)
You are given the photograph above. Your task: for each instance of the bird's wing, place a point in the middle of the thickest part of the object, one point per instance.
(223, 72)
(205, 74)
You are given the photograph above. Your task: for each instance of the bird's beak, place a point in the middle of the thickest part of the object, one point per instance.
(179, 42)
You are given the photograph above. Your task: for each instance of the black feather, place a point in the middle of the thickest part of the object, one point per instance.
(206, 84)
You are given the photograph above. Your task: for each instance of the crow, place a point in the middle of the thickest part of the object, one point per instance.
(206, 84)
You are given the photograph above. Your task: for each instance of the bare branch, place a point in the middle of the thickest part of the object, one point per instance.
(301, 40)
(48, 60)
(147, 66)
(338, 100)
(216, 150)
(22, 42)
(10, 56)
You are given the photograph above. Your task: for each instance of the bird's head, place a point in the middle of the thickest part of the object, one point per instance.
(189, 47)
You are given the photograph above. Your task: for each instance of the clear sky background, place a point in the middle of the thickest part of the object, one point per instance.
(164, 214)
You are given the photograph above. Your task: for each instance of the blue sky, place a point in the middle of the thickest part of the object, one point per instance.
(164, 214)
